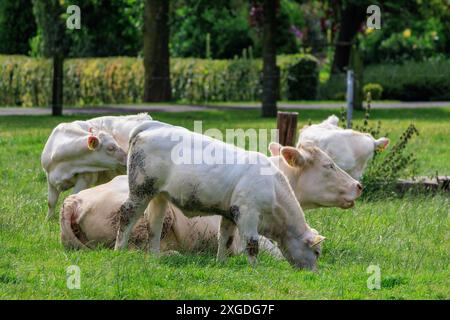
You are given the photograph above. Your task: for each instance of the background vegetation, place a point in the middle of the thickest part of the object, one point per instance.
(408, 56)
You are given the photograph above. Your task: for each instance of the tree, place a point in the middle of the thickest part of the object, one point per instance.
(16, 26)
(352, 15)
(51, 26)
(156, 51)
(270, 70)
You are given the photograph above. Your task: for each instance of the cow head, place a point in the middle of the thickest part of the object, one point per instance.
(316, 180)
(107, 151)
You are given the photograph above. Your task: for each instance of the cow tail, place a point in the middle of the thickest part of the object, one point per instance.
(68, 218)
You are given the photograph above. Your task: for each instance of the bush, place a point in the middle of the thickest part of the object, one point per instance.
(383, 172)
(409, 81)
(412, 81)
(375, 90)
(303, 79)
(385, 169)
(27, 81)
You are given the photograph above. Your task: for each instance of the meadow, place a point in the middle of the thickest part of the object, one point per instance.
(406, 237)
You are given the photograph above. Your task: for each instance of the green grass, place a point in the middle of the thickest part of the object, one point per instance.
(406, 237)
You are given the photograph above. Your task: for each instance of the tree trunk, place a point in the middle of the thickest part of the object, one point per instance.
(351, 18)
(57, 85)
(270, 71)
(156, 51)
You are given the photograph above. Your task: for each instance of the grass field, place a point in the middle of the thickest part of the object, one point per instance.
(408, 238)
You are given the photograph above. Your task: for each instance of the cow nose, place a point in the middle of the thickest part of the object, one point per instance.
(359, 187)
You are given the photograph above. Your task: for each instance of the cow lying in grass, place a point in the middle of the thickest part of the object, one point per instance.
(246, 198)
(84, 153)
(350, 149)
(90, 218)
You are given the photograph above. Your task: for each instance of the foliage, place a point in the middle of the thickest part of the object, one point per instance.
(374, 89)
(27, 81)
(225, 22)
(411, 30)
(303, 79)
(408, 81)
(51, 27)
(98, 36)
(412, 81)
(386, 167)
(384, 171)
(17, 26)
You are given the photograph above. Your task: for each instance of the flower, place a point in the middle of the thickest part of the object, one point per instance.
(407, 33)
(369, 30)
(297, 32)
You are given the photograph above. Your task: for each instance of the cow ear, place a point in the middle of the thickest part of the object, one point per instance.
(292, 156)
(381, 144)
(274, 148)
(93, 142)
(314, 239)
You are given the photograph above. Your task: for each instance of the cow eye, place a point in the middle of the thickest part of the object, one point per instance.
(330, 166)
(111, 148)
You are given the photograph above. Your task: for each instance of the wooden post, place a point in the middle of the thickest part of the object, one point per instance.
(287, 127)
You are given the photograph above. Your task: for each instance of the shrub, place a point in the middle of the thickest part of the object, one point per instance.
(27, 81)
(408, 81)
(374, 89)
(386, 168)
(303, 79)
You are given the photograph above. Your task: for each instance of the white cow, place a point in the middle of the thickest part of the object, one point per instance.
(161, 170)
(83, 153)
(350, 149)
(90, 218)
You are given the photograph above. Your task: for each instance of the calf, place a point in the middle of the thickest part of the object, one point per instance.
(76, 157)
(245, 198)
(90, 218)
(350, 149)
(316, 180)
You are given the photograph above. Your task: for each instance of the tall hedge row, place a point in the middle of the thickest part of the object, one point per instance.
(27, 81)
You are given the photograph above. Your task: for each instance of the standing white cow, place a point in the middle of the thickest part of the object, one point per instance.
(83, 153)
(239, 192)
(350, 149)
(90, 217)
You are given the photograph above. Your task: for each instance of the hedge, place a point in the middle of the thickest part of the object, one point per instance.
(26, 81)
(408, 81)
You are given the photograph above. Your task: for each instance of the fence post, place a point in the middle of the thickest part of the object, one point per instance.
(287, 127)
(350, 88)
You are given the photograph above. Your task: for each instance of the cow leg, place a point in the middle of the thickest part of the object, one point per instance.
(83, 182)
(226, 237)
(247, 224)
(129, 213)
(157, 211)
(53, 195)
